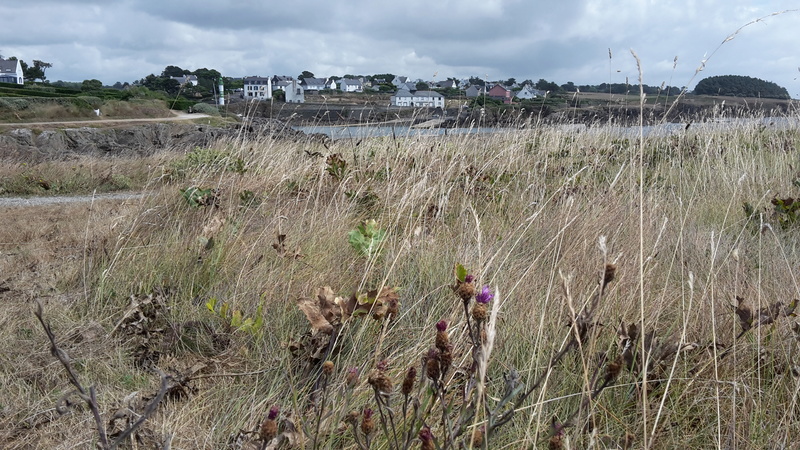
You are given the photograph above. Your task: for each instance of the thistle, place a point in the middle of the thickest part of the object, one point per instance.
(367, 424)
(442, 338)
(269, 428)
(408, 381)
(426, 437)
(432, 369)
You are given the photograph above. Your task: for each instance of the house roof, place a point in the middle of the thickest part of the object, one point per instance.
(8, 65)
(427, 94)
(406, 93)
(313, 82)
(349, 82)
(256, 78)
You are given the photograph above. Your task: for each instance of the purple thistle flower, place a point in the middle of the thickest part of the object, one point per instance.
(485, 296)
(469, 278)
(441, 326)
(367, 413)
(273, 413)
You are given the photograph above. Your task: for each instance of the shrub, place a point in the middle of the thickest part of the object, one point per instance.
(205, 108)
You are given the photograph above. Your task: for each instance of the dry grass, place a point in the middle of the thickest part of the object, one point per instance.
(525, 211)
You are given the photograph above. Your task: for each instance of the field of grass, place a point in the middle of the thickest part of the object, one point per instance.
(630, 294)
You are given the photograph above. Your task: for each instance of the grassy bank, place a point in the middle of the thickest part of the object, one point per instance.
(614, 267)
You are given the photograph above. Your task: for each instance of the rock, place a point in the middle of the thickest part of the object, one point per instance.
(139, 140)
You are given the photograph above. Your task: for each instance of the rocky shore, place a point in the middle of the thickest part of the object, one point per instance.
(27, 144)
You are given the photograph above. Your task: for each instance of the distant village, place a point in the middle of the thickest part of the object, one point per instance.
(417, 93)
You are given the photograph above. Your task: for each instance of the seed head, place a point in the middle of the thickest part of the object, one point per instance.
(408, 381)
(269, 428)
(479, 312)
(380, 382)
(477, 438)
(446, 359)
(465, 290)
(442, 338)
(367, 424)
(327, 368)
(432, 369)
(426, 437)
(351, 379)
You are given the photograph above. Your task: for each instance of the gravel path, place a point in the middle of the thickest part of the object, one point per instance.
(44, 201)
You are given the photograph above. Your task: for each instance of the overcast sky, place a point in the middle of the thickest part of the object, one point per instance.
(566, 40)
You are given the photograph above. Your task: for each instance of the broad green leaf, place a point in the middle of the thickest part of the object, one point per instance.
(461, 272)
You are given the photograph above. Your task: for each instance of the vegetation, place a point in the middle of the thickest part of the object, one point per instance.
(525, 288)
(740, 86)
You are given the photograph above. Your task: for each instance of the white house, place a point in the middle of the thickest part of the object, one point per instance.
(11, 71)
(400, 80)
(186, 79)
(313, 84)
(331, 84)
(280, 85)
(351, 85)
(429, 99)
(257, 88)
(294, 92)
(529, 92)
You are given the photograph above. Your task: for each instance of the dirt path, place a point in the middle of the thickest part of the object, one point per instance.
(45, 201)
(177, 116)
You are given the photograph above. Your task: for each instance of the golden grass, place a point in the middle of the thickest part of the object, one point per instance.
(525, 211)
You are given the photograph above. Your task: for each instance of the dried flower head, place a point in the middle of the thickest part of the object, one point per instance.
(446, 359)
(609, 274)
(426, 437)
(351, 379)
(479, 312)
(442, 338)
(464, 289)
(269, 428)
(432, 369)
(477, 437)
(367, 424)
(408, 381)
(383, 365)
(485, 296)
(327, 368)
(380, 382)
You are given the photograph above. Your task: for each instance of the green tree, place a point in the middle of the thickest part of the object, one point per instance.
(569, 86)
(740, 86)
(174, 71)
(92, 85)
(545, 85)
(422, 86)
(207, 78)
(304, 75)
(41, 66)
(511, 81)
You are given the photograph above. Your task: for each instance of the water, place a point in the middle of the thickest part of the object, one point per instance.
(400, 131)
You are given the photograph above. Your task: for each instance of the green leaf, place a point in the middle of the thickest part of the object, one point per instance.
(236, 319)
(211, 304)
(461, 272)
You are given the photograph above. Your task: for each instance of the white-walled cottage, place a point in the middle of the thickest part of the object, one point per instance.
(257, 88)
(11, 71)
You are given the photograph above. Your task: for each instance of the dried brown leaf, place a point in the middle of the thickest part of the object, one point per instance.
(311, 309)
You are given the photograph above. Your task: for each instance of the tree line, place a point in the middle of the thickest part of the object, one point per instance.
(740, 86)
